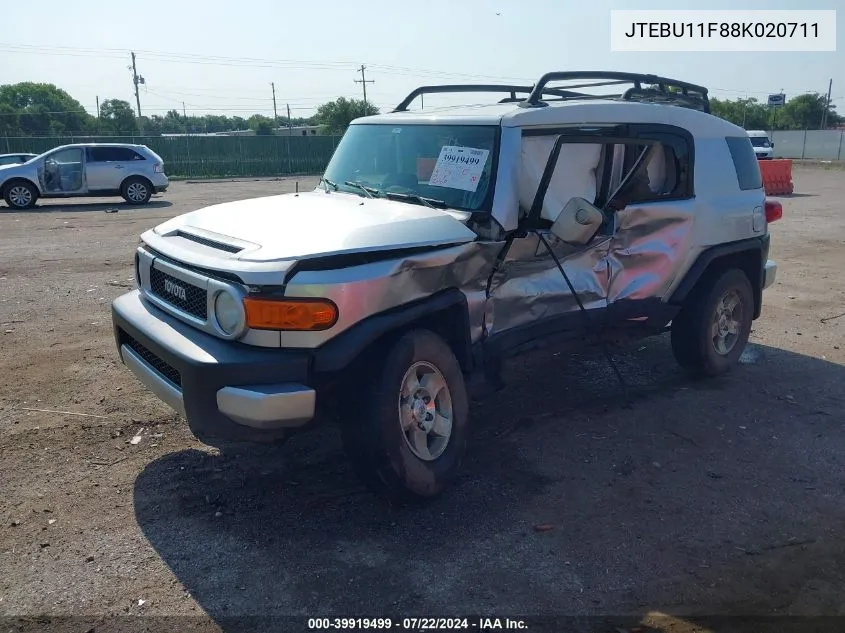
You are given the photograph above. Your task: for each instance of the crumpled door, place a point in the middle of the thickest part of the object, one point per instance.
(528, 293)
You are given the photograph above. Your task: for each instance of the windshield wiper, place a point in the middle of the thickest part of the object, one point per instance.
(370, 191)
(432, 203)
(331, 184)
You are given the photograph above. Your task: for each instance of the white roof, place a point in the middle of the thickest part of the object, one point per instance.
(584, 112)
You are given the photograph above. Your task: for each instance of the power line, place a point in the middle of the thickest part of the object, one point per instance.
(247, 61)
(304, 64)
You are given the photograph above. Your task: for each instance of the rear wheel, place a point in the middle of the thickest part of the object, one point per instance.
(136, 190)
(409, 435)
(20, 195)
(712, 329)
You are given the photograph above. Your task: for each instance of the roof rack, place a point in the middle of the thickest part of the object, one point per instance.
(659, 90)
(506, 88)
(666, 91)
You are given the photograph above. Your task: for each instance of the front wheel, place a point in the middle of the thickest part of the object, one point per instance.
(712, 329)
(20, 195)
(410, 431)
(136, 191)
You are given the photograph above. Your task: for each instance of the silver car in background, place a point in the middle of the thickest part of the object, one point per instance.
(15, 159)
(134, 172)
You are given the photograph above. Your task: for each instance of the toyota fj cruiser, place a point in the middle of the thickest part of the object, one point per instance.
(439, 243)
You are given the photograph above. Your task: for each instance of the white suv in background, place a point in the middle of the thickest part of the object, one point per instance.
(134, 172)
(764, 149)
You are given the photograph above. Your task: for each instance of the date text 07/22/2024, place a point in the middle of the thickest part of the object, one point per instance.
(417, 624)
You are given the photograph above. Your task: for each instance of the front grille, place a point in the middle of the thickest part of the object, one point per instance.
(229, 248)
(194, 301)
(170, 373)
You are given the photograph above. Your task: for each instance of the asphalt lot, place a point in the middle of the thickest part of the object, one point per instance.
(722, 497)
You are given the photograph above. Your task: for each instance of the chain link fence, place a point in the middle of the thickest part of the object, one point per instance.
(209, 156)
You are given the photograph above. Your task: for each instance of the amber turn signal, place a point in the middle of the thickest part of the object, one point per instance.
(290, 314)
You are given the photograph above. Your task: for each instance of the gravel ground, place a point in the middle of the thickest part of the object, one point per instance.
(691, 498)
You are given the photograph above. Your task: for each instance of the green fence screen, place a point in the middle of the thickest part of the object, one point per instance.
(210, 156)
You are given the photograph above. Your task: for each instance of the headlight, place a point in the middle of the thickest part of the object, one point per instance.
(229, 312)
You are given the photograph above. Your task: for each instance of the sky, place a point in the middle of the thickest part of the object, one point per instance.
(220, 57)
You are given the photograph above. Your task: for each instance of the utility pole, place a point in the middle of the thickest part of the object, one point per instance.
(275, 113)
(98, 114)
(290, 125)
(827, 104)
(184, 111)
(364, 81)
(137, 79)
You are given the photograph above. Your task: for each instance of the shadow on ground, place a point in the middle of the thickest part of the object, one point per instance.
(717, 497)
(54, 206)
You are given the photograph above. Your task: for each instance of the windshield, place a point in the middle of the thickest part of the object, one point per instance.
(449, 165)
(759, 141)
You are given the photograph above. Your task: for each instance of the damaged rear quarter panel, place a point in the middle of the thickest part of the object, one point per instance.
(368, 289)
(649, 246)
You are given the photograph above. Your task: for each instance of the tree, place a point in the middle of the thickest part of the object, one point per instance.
(805, 112)
(118, 117)
(262, 125)
(748, 113)
(337, 115)
(38, 108)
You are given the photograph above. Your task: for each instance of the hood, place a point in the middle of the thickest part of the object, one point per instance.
(313, 224)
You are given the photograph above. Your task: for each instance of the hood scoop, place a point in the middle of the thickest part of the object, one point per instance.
(220, 246)
(211, 240)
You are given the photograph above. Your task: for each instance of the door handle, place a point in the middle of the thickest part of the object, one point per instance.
(118, 166)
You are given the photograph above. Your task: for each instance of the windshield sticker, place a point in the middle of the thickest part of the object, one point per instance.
(459, 167)
(425, 166)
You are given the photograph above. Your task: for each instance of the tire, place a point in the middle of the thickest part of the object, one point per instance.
(385, 457)
(20, 195)
(706, 340)
(136, 190)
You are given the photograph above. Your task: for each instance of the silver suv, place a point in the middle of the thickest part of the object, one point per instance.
(440, 243)
(134, 172)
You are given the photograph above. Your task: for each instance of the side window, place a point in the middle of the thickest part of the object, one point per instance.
(100, 154)
(71, 155)
(128, 154)
(663, 177)
(113, 155)
(578, 172)
(745, 162)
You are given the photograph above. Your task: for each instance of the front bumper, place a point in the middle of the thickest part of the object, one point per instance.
(227, 391)
(770, 271)
(160, 188)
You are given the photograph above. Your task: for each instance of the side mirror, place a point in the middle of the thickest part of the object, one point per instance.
(578, 223)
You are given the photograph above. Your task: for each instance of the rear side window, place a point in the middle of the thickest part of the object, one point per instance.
(113, 155)
(665, 175)
(745, 162)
